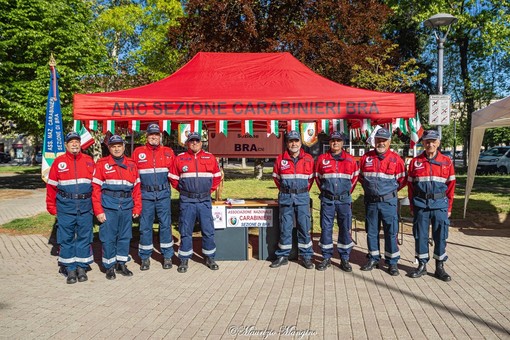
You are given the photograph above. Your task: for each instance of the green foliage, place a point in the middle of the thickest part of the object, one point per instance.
(32, 30)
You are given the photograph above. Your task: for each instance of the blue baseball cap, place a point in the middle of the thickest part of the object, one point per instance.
(338, 135)
(115, 139)
(383, 133)
(153, 128)
(72, 135)
(293, 135)
(193, 136)
(430, 134)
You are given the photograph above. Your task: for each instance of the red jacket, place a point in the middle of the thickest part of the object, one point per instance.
(69, 184)
(116, 187)
(336, 178)
(294, 180)
(195, 176)
(381, 175)
(153, 163)
(431, 182)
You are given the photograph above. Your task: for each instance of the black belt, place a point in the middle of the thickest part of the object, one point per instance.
(154, 187)
(74, 196)
(195, 195)
(426, 196)
(335, 197)
(112, 193)
(293, 191)
(375, 199)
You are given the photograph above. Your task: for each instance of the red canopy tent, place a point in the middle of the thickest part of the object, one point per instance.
(244, 86)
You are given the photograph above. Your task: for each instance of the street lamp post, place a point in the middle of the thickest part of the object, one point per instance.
(435, 22)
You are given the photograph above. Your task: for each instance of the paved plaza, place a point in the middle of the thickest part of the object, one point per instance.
(249, 300)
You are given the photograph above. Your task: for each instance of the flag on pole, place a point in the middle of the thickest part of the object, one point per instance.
(272, 127)
(196, 126)
(366, 127)
(222, 127)
(53, 144)
(402, 125)
(135, 126)
(86, 138)
(323, 126)
(293, 125)
(248, 127)
(371, 138)
(109, 125)
(92, 125)
(166, 125)
(416, 129)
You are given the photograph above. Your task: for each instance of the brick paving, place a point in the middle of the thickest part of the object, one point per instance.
(247, 299)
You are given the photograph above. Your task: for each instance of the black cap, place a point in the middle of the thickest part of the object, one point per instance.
(430, 134)
(193, 136)
(153, 128)
(115, 139)
(72, 135)
(383, 133)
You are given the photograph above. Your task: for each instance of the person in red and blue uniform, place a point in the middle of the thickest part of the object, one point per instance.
(431, 186)
(293, 174)
(116, 200)
(153, 161)
(68, 196)
(336, 174)
(195, 174)
(382, 175)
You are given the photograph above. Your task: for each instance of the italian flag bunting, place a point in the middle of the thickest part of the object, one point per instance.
(323, 126)
(416, 129)
(135, 126)
(77, 126)
(196, 126)
(293, 125)
(166, 125)
(222, 127)
(109, 126)
(86, 138)
(92, 125)
(272, 127)
(366, 127)
(341, 125)
(248, 127)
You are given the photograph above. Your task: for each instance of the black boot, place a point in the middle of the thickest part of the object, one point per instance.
(393, 270)
(146, 264)
(71, 277)
(110, 273)
(82, 274)
(371, 264)
(183, 267)
(122, 269)
(307, 263)
(281, 261)
(440, 272)
(420, 271)
(325, 264)
(345, 265)
(167, 263)
(209, 262)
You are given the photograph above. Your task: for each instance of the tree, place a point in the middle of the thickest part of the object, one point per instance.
(30, 30)
(328, 36)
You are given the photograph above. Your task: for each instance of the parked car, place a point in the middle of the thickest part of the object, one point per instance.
(38, 157)
(5, 157)
(495, 160)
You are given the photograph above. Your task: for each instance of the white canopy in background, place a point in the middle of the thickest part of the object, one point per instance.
(495, 115)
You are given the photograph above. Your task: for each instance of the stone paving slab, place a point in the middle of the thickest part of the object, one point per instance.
(247, 299)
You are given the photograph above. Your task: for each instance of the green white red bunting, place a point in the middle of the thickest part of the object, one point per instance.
(110, 126)
(86, 138)
(272, 127)
(323, 126)
(135, 126)
(197, 126)
(402, 125)
(341, 125)
(222, 127)
(77, 126)
(166, 125)
(92, 125)
(248, 127)
(293, 125)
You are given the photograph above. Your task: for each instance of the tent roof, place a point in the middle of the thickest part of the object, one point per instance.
(243, 86)
(495, 115)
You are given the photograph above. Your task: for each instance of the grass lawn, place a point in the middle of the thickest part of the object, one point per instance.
(488, 207)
